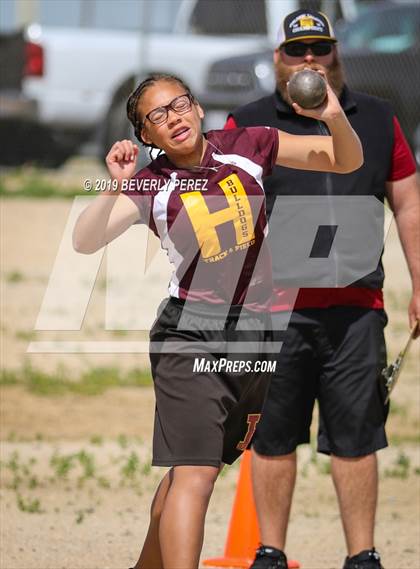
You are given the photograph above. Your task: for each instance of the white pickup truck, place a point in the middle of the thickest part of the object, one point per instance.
(87, 62)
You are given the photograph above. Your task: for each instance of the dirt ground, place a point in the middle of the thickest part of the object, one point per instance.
(76, 482)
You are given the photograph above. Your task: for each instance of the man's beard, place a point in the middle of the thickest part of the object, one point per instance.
(334, 73)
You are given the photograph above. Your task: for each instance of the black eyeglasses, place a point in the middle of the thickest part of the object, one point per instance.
(299, 49)
(179, 105)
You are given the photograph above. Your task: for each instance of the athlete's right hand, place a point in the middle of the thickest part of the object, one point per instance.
(121, 160)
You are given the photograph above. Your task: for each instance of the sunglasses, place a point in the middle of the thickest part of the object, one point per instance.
(299, 49)
(179, 105)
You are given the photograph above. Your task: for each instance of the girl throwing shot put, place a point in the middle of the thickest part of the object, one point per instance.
(204, 199)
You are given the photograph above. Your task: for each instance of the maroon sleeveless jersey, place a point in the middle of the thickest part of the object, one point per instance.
(211, 218)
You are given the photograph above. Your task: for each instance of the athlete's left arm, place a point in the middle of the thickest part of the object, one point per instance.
(404, 199)
(340, 153)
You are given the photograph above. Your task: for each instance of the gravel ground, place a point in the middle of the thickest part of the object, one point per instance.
(82, 524)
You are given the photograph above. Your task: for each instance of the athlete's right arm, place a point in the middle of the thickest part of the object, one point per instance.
(110, 213)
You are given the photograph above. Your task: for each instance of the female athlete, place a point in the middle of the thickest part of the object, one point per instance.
(204, 199)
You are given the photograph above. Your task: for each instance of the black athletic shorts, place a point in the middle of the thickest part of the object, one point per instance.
(207, 404)
(334, 355)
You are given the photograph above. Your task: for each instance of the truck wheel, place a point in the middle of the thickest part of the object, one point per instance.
(117, 127)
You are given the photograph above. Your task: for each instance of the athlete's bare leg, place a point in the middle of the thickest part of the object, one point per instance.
(150, 557)
(181, 528)
(184, 514)
(273, 480)
(356, 484)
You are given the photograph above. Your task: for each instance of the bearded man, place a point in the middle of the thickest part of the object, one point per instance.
(333, 348)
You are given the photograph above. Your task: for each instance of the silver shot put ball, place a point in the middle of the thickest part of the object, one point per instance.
(307, 88)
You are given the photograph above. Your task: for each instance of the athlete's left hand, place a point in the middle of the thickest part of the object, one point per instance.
(328, 111)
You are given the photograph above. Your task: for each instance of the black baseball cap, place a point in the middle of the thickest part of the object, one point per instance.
(305, 25)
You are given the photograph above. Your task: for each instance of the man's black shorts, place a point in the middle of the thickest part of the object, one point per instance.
(334, 355)
(203, 416)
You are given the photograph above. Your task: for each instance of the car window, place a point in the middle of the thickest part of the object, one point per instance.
(230, 17)
(388, 31)
(7, 15)
(103, 14)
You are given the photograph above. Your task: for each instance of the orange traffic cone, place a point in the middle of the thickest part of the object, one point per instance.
(243, 535)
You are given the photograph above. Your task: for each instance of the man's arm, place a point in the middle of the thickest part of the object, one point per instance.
(404, 199)
(230, 123)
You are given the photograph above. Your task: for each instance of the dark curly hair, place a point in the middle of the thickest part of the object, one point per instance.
(136, 95)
